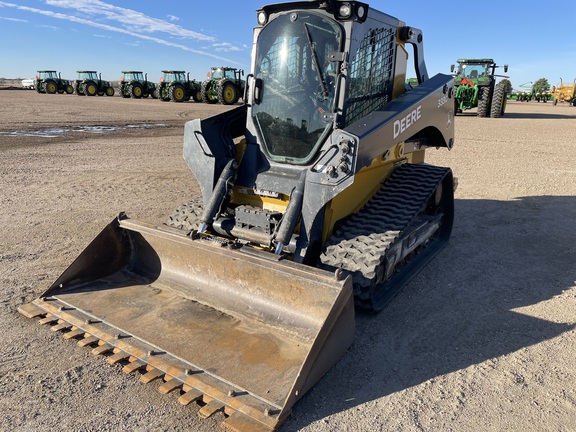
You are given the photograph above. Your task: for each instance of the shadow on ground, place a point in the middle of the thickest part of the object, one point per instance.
(459, 311)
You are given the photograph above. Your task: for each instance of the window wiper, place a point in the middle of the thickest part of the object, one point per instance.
(316, 63)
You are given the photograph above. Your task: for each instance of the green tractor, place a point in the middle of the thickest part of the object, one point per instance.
(224, 85)
(48, 81)
(135, 84)
(90, 83)
(176, 86)
(475, 87)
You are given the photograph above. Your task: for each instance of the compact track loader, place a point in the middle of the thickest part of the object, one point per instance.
(315, 196)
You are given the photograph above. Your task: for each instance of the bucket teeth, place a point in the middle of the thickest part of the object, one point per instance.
(190, 382)
(210, 409)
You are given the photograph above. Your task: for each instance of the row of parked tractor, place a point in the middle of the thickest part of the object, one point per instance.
(224, 85)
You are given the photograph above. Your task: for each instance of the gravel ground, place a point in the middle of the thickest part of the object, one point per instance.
(483, 339)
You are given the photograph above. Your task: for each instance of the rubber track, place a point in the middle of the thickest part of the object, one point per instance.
(187, 217)
(359, 245)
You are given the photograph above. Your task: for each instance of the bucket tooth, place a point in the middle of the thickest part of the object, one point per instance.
(210, 409)
(170, 385)
(74, 334)
(239, 422)
(30, 310)
(190, 396)
(133, 366)
(151, 375)
(61, 326)
(49, 319)
(90, 340)
(118, 357)
(102, 349)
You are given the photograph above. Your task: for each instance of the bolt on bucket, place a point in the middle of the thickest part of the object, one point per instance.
(242, 331)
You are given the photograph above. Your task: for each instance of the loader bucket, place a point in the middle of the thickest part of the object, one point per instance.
(238, 330)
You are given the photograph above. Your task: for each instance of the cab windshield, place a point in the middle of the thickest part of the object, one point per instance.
(133, 76)
(87, 75)
(48, 75)
(293, 61)
(473, 71)
(174, 76)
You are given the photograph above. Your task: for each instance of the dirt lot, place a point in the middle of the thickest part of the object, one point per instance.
(483, 339)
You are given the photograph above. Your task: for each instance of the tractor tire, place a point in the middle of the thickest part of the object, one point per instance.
(177, 93)
(154, 94)
(90, 89)
(498, 101)
(197, 95)
(228, 94)
(188, 216)
(484, 102)
(51, 87)
(124, 91)
(204, 91)
(109, 91)
(135, 91)
(69, 89)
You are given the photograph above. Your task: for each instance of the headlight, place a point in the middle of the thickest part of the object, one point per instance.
(351, 10)
(345, 11)
(262, 17)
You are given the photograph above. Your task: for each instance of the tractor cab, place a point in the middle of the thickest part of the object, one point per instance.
(45, 75)
(88, 75)
(173, 76)
(132, 76)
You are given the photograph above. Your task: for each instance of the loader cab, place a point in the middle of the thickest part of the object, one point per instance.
(295, 84)
(317, 69)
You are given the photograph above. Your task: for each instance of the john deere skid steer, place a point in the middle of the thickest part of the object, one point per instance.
(315, 197)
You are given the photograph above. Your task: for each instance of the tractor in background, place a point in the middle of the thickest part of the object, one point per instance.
(564, 93)
(135, 84)
(224, 85)
(90, 83)
(48, 81)
(475, 87)
(541, 95)
(176, 86)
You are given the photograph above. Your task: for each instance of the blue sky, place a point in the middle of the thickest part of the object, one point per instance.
(113, 35)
